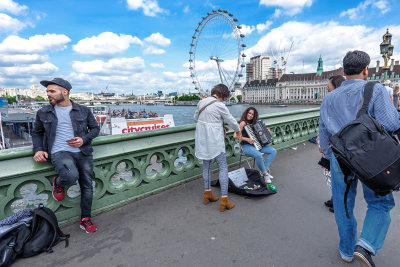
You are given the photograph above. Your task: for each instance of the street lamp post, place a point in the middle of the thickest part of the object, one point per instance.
(386, 51)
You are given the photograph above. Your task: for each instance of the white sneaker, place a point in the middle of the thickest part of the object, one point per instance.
(269, 174)
(267, 179)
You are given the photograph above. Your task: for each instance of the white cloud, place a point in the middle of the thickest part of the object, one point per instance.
(9, 24)
(277, 13)
(355, 13)
(12, 7)
(247, 30)
(157, 65)
(10, 60)
(25, 61)
(291, 7)
(263, 26)
(150, 7)
(40, 44)
(186, 9)
(44, 69)
(153, 51)
(115, 66)
(138, 83)
(308, 45)
(158, 39)
(382, 5)
(106, 45)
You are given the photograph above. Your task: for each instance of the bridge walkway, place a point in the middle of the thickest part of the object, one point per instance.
(174, 228)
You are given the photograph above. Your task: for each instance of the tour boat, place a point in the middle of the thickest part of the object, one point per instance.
(121, 125)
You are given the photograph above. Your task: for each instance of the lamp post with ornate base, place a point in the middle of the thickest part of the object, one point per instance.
(386, 51)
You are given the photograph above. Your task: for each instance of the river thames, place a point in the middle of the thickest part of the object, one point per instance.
(183, 115)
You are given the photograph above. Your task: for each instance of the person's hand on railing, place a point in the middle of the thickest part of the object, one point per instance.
(237, 135)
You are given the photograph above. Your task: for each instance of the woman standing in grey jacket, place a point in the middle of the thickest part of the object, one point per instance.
(210, 115)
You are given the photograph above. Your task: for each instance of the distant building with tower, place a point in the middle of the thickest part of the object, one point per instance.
(289, 88)
(306, 87)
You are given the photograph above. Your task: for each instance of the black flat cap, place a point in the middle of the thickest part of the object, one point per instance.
(59, 81)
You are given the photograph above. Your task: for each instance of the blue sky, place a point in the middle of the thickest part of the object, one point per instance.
(141, 46)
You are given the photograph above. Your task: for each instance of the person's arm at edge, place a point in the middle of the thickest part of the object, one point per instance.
(324, 136)
(383, 109)
(227, 117)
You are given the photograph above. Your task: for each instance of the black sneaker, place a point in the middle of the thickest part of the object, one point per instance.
(329, 203)
(363, 256)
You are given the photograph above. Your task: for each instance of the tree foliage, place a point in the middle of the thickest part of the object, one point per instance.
(39, 98)
(239, 98)
(11, 99)
(187, 98)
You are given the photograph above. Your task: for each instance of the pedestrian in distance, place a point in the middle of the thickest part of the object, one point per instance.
(339, 108)
(250, 116)
(62, 134)
(396, 92)
(210, 115)
(333, 83)
(389, 89)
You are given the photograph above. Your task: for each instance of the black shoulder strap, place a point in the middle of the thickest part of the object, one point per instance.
(348, 184)
(368, 91)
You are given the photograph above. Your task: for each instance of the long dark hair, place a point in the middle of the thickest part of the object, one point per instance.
(244, 115)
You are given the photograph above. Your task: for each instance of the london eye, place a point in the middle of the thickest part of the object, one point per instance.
(217, 52)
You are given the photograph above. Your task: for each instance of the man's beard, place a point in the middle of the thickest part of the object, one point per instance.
(58, 99)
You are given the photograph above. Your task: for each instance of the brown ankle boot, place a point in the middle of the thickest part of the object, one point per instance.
(224, 203)
(208, 196)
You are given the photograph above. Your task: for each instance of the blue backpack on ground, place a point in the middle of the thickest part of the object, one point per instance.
(365, 148)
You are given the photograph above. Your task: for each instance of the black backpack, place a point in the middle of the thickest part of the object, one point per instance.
(365, 148)
(12, 243)
(45, 233)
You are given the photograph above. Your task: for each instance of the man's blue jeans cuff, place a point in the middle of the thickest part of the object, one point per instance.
(345, 257)
(366, 245)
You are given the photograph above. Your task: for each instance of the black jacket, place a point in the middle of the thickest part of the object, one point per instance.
(83, 123)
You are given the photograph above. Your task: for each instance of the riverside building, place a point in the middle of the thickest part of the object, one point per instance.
(305, 88)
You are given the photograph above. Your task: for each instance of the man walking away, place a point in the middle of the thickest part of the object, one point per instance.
(338, 109)
(389, 89)
(63, 133)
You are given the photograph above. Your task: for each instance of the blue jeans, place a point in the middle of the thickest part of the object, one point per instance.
(263, 165)
(223, 173)
(72, 167)
(376, 222)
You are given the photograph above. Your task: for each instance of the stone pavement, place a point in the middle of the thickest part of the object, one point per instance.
(174, 228)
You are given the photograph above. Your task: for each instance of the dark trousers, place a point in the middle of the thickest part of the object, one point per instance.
(72, 167)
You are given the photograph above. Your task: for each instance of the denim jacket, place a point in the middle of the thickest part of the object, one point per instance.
(83, 123)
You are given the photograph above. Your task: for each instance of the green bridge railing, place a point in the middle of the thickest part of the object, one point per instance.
(131, 166)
